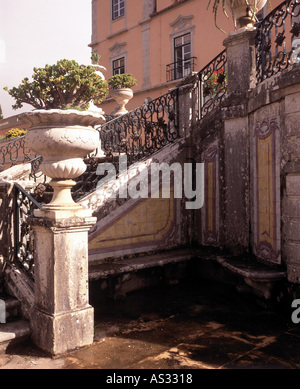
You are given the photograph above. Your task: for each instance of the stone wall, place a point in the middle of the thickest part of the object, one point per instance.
(250, 147)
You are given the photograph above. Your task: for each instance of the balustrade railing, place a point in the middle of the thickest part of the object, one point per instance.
(23, 235)
(180, 69)
(278, 40)
(143, 131)
(212, 84)
(14, 152)
(138, 133)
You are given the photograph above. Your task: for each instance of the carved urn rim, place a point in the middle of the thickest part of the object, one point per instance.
(61, 117)
(118, 91)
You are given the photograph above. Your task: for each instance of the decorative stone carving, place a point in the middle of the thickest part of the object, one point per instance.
(63, 138)
(62, 319)
(181, 23)
(121, 96)
(118, 48)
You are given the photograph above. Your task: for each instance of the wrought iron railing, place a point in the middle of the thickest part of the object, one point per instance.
(138, 133)
(212, 84)
(180, 69)
(87, 182)
(278, 40)
(23, 235)
(14, 152)
(143, 131)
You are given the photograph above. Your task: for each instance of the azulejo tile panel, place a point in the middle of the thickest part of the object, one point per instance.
(210, 210)
(266, 190)
(143, 223)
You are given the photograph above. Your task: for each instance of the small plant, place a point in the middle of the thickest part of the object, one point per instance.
(121, 81)
(215, 83)
(15, 133)
(63, 85)
(95, 58)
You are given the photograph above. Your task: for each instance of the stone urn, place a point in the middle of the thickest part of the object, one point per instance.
(121, 96)
(242, 14)
(63, 138)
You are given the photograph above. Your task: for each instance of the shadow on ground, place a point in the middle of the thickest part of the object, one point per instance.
(202, 325)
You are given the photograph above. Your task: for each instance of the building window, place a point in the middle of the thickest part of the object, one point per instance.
(182, 54)
(118, 8)
(118, 66)
(183, 63)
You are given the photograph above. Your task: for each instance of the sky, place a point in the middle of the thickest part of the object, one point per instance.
(34, 33)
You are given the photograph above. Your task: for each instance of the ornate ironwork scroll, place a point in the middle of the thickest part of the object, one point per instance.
(212, 84)
(278, 40)
(23, 235)
(143, 131)
(14, 152)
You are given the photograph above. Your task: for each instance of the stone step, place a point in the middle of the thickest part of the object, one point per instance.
(116, 279)
(12, 306)
(102, 270)
(260, 278)
(12, 333)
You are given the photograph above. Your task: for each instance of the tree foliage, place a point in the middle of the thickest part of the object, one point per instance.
(63, 85)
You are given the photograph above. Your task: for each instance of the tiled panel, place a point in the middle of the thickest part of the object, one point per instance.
(210, 210)
(266, 190)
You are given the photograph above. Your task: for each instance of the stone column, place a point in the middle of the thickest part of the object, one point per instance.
(241, 71)
(62, 319)
(241, 61)
(149, 7)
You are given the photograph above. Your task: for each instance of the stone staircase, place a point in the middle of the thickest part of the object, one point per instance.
(117, 278)
(16, 329)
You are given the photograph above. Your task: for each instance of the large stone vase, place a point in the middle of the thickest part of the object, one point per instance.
(121, 96)
(243, 13)
(63, 138)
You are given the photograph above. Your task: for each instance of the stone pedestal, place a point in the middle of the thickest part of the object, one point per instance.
(62, 319)
(241, 62)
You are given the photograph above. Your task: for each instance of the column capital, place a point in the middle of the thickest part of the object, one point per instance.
(74, 223)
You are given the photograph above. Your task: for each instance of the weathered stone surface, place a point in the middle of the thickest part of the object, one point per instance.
(240, 46)
(236, 157)
(59, 333)
(62, 318)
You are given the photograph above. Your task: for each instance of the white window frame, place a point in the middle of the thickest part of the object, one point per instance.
(113, 68)
(182, 25)
(118, 9)
(118, 51)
